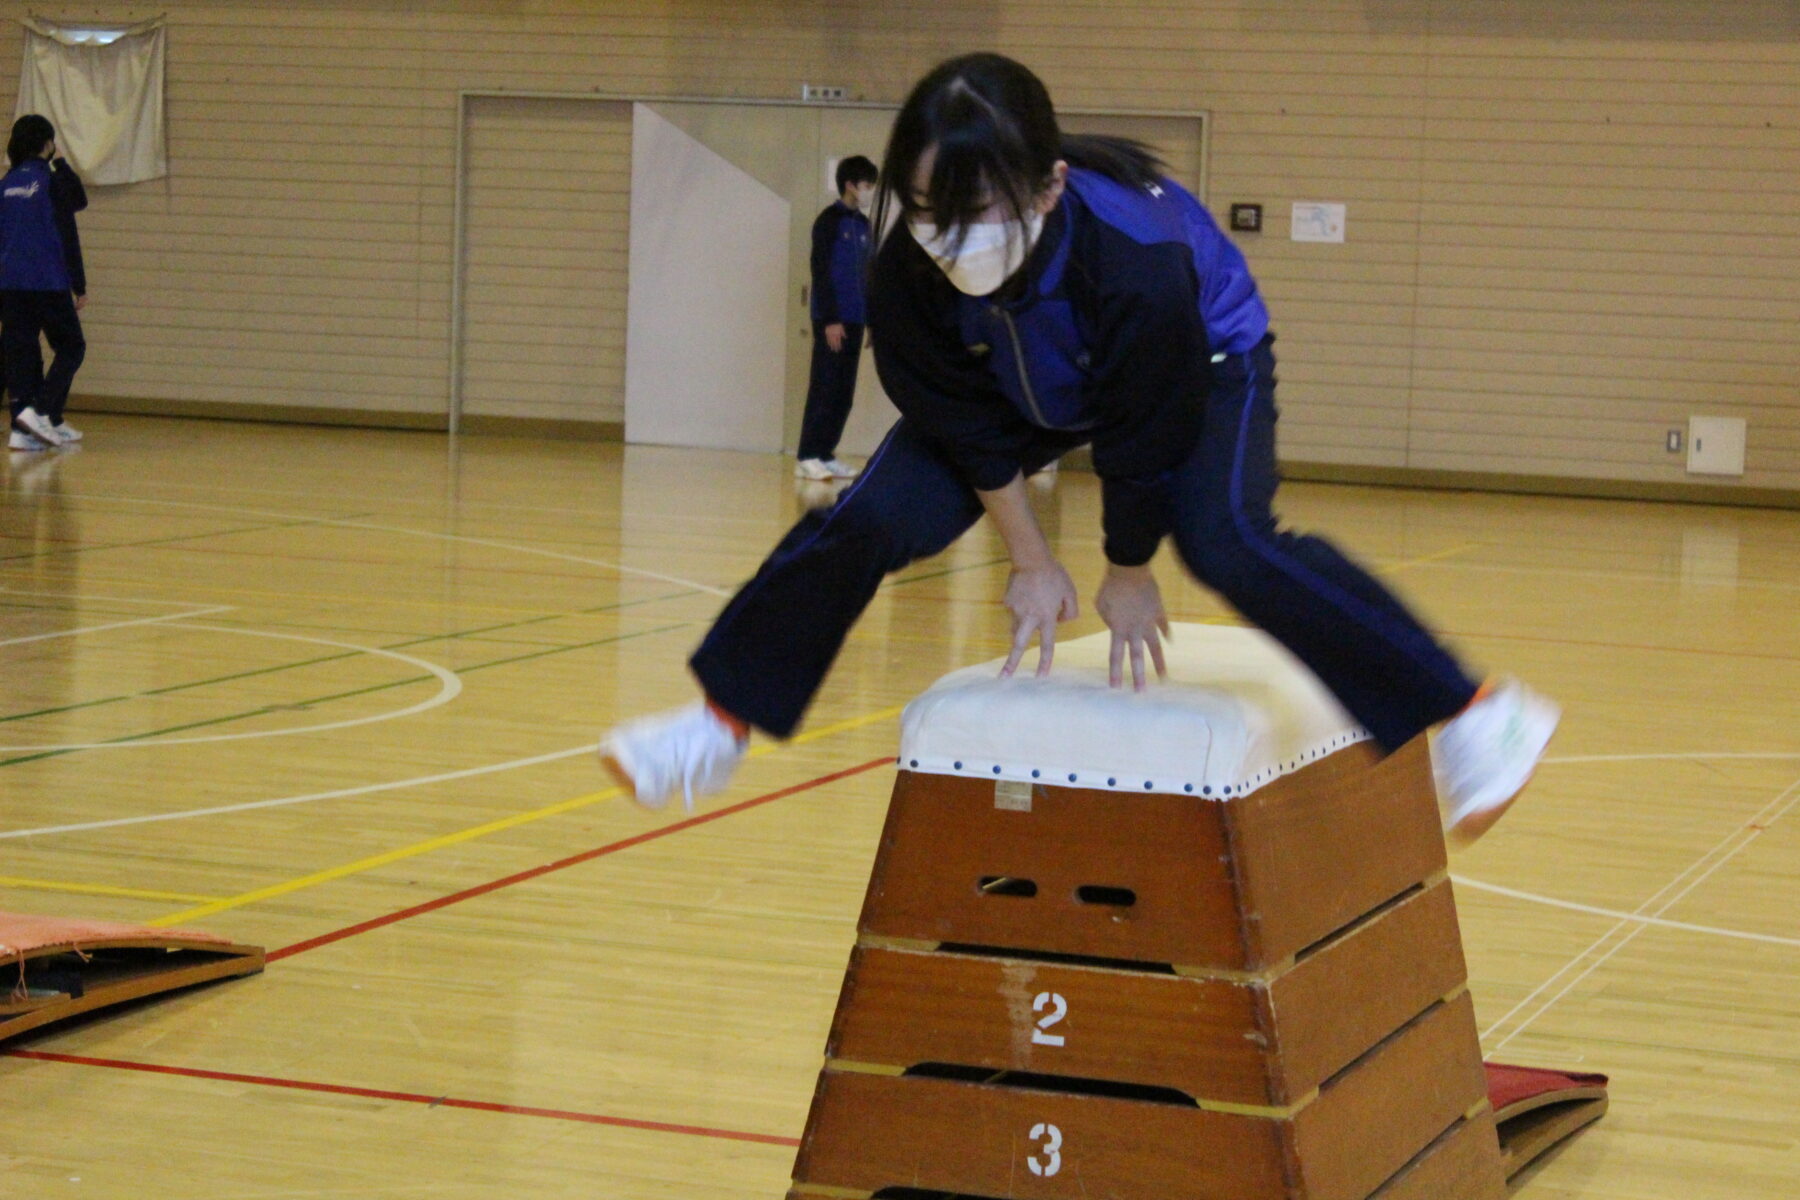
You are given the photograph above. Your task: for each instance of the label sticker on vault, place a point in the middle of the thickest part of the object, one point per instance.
(1012, 795)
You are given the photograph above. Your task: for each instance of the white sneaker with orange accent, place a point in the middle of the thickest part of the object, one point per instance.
(690, 749)
(1484, 756)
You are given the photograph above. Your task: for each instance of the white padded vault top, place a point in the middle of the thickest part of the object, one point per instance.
(1236, 712)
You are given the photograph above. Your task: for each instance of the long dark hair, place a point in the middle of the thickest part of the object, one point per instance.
(997, 141)
(30, 134)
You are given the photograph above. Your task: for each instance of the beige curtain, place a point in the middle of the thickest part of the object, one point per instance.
(104, 97)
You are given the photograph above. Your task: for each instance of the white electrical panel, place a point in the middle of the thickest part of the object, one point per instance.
(1716, 445)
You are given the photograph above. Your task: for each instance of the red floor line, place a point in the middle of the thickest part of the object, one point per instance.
(482, 889)
(303, 1085)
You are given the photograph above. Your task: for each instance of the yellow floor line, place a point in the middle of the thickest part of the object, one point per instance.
(287, 887)
(97, 889)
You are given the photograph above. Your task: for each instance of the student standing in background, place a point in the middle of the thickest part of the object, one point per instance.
(43, 285)
(840, 250)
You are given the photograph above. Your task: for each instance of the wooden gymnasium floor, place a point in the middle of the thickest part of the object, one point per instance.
(330, 691)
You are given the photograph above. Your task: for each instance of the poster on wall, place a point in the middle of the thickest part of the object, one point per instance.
(1315, 222)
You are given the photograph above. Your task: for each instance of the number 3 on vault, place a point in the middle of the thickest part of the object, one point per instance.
(1051, 1137)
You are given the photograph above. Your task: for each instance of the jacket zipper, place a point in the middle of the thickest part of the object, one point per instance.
(1019, 360)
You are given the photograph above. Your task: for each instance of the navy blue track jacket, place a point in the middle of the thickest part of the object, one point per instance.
(1107, 334)
(840, 255)
(40, 248)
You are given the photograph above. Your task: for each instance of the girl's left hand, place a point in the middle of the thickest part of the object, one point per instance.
(1131, 605)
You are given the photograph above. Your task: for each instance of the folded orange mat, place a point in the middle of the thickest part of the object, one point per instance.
(1537, 1108)
(53, 968)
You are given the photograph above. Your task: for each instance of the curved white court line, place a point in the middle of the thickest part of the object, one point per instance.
(424, 533)
(446, 776)
(449, 687)
(284, 801)
(425, 780)
(1620, 915)
(166, 618)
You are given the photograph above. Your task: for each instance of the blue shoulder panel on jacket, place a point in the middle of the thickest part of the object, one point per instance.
(1233, 311)
(1144, 215)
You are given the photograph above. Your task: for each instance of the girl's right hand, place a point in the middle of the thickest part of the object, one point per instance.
(1038, 598)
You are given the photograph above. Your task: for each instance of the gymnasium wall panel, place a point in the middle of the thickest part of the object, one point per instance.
(1570, 226)
(545, 255)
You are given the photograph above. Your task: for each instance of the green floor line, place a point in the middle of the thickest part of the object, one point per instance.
(186, 537)
(179, 687)
(364, 691)
(948, 571)
(311, 662)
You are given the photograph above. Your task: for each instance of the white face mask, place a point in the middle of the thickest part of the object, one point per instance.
(989, 254)
(865, 196)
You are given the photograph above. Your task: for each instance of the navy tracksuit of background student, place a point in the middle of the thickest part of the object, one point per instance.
(41, 272)
(1134, 326)
(840, 250)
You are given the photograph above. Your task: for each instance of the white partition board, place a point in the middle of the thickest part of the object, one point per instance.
(704, 361)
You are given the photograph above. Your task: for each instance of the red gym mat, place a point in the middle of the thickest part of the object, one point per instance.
(1537, 1108)
(52, 968)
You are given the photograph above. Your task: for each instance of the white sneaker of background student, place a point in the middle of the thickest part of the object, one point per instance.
(840, 469)
(691, 750)
(1484, 756)
(20, 440)
(37, 425)
(813, 468)
(69, 432)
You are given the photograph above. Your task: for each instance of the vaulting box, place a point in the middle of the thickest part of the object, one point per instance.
(1194, 943)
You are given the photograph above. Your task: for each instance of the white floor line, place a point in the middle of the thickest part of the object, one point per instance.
(1619, 915)
(463, 503)
(162, 620)
(424, 533)
(513, 764)
(1600, 941)
(556, 554)
(1622, 576)
(283, 801)
(1745, 835)
(1767, 756)
(449, 687)
(83, 596)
